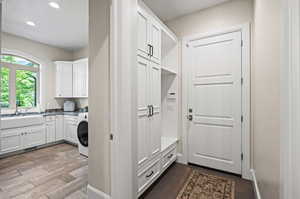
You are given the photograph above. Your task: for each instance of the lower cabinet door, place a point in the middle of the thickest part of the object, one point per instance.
(34, 136)
(50, 132)
(59, 128)
(10, 140)
(73, 128)
(70, 129)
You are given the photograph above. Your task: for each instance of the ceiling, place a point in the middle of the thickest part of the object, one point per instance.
(170, 9)
(66, 27)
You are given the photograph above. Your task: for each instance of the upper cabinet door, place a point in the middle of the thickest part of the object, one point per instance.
(143, 34)
(80, 78)
(149, 36)
(64, 79)
(155, 41)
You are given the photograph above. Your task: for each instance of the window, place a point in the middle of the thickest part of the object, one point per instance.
(4, 87)
(19, 82)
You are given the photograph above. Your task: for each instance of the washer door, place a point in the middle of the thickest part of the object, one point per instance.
(82, 133)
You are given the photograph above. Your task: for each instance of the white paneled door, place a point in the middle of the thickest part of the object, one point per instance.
(155, 98)
(215, 103)
(149, 110)
(143, 110)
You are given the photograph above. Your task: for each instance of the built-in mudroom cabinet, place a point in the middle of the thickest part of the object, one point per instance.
(157, 88)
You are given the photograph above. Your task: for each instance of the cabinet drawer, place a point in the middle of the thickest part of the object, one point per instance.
(147, 176)
(10, 140)
(168, 158)
(71, 119)
(50, 118)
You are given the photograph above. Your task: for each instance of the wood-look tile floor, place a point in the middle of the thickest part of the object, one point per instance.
(171, 182)
(54, 172)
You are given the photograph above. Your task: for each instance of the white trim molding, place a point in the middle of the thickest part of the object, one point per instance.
(290, 100)
(123, 76)
(255, 185)
(94, 193)
(246, 89)
(180, 158)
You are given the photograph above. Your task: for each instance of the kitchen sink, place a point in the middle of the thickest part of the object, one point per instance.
(18, 121)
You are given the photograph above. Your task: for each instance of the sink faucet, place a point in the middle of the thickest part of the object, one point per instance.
(17, 110)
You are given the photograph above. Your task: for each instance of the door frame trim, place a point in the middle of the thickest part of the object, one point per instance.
(246, 94)
(289, 99)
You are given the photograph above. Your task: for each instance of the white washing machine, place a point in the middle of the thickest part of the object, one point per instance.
(83, 134)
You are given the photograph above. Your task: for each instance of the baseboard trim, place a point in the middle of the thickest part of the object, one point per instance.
(94, 193)
(181, 159)
(255, 185)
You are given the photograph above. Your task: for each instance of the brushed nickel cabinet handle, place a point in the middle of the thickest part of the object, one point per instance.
(151, 174)
(170, 156)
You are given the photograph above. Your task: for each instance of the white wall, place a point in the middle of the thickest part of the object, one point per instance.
(46, 55)
(81, 53)
(266, 95)
(216, 18)
(99, 96)
(225, 15)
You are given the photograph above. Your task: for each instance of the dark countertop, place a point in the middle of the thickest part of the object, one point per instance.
(45, 114)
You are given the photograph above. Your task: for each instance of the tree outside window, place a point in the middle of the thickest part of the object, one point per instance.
(4, 87)
(19, 82)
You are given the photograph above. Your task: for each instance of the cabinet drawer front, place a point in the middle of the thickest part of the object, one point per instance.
(168, 158)
(71, 123)
(50, 118)
(71, 119)
(10, 141)
(146, 177)
(10, 133)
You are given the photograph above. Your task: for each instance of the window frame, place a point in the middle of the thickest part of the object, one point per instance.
(12, 81)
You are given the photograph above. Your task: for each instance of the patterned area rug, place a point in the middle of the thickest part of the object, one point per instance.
(204, 186)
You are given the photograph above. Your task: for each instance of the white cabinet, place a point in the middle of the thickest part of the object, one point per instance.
(155, 102)
(156, 97)
(149, 131)
(59, 127)
(143, 110)
(80, 78)
(11, 140)
(64, 79)
(34, 136)
(70, 129)
(22, 138)
(143, 33)
(50, 129)
(50, 132)
(155, 41)
(72, 79)
(149, 36)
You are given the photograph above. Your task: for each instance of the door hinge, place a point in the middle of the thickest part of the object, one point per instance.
(242, 43)
(242, 118)
(242, 81)
(242, 156)
(111, 137)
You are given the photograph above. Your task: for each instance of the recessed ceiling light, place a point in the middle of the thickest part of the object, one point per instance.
(54, 5)
(30, 23)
